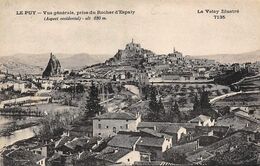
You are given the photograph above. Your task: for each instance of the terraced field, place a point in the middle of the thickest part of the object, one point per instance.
(241, 99)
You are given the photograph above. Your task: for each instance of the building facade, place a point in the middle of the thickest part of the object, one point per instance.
(109, 124)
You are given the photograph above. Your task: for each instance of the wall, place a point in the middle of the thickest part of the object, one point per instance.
(130, 158)
(181, 132)
(42, 162)
(120, 125)
(167, 144)
(41, 151)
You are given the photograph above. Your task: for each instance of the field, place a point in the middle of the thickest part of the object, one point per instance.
(184, 93)
(242, 99)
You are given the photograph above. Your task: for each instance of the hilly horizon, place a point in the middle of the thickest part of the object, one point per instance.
(36, 63)
(251, 56)
(68, 61)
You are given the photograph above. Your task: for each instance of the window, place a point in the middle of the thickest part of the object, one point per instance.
(121, 127)
(99, 126)
(107, 127)
(114, 129)
(126, 126)
(99, 133)
(128, 160)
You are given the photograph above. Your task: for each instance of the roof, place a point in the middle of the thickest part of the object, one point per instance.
(55, 156)
(201, 118)
(173, 129)
(86, 155)
(148, 163)
(184, 148)
(77, 142)
(199, 157)
(117, 115)
(154, 133)
(22, 154)
(123, 141)
(62, 141)
(112, 154)
(160, 126)
(235, 139)
(151, 141)
(163, 126)
(252, 127)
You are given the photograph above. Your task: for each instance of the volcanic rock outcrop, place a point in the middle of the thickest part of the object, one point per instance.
(53, 68)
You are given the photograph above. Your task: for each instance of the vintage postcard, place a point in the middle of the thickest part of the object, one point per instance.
(133, 82)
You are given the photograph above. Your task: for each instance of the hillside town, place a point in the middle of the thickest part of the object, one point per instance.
(136, 108)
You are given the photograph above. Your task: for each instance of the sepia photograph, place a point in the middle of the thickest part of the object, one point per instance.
(129, 83)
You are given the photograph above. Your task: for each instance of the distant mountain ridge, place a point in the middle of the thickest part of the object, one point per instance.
(252, 56)
(35, 63)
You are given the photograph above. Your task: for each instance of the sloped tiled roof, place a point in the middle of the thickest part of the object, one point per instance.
(149, 163)
(151, 141)
(113, 154)
(154, 133)
(199, 157)
(62, 141)
(160, 126)
(172, 129)
(77, 142)
(123, 141)
(117, 115)
(163, 126)
(22, 154)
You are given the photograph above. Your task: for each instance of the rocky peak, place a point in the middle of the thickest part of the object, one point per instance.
(53, 67)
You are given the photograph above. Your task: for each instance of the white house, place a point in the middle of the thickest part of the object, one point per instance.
(19, 86)
(119, 156)
(203, 120)
(110, 123)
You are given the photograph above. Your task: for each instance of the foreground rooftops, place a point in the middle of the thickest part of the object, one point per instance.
(124, 141)
(164, 126)
(24, 155)
(112, 154)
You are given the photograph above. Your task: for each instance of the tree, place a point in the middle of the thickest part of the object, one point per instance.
(204, 100)
(174, 114)
(153, 114)
(110, 88)
(145, 91)
(203, 106)
(161, 109)
(128, 75)
(196, 107)
(114, 78)
(93, 107)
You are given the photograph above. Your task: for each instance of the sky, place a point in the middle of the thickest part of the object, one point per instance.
(156, 25)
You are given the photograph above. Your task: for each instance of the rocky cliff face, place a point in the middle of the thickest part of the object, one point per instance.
(53, 67)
